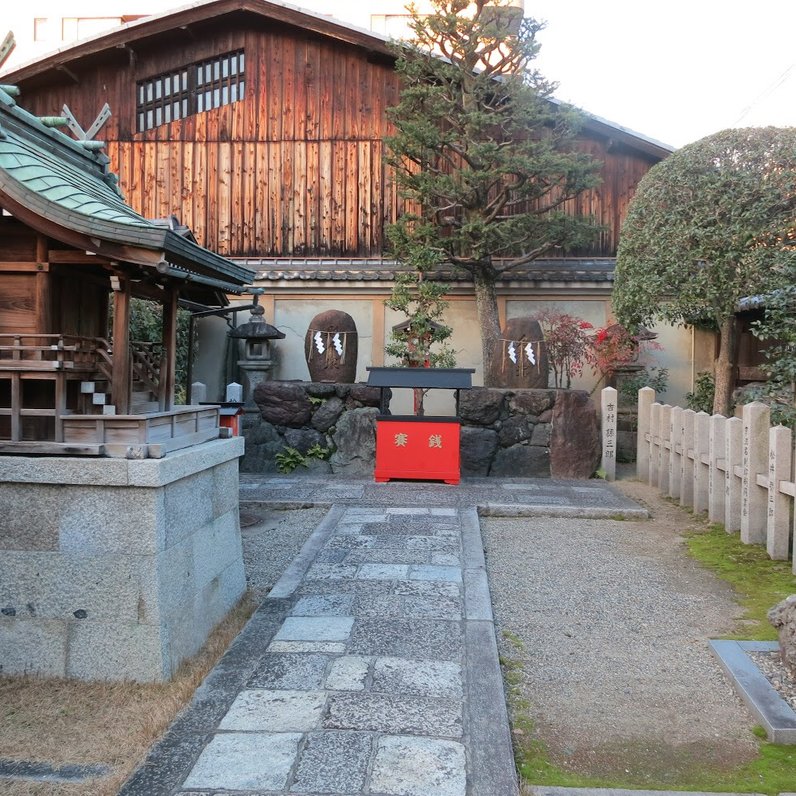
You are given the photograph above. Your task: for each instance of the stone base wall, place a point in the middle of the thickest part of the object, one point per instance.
(530, 433)
(113, 569)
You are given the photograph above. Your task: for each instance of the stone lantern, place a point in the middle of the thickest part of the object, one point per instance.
(256, 358)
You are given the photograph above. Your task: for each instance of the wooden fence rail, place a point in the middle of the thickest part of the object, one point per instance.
(738, 470)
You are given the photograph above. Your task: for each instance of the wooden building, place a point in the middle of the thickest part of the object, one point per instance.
(67, 243)
(262, 128)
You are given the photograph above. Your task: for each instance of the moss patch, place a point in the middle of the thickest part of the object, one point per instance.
(760, 582)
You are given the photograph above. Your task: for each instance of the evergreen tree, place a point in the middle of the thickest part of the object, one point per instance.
(482, 153)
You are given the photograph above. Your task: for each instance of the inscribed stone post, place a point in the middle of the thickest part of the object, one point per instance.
(686, 459)
(755, 463)
(733, 460)
(655, 441)
(609, 414)
(676, 438)
(780, 454)
(646, 396)
(701, 449)
(716, 454)
(665, 448)
(198, 392)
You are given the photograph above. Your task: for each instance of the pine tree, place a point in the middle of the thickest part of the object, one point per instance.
(483, 154)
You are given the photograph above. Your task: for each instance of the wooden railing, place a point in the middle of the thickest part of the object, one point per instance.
(48, 352)
(145, 358)
(738, 470)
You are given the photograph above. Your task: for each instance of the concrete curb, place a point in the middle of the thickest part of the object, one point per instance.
(294, 574)
(574, 512)
(549, 790)
(773, 712)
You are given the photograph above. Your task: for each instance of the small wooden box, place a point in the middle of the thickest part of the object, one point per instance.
(417, 448)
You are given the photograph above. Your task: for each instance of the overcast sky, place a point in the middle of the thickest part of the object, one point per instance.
(676, 70)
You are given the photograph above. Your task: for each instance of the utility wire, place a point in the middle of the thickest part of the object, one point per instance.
(766, 93)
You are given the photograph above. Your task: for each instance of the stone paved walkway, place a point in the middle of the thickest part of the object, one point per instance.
(371, 667)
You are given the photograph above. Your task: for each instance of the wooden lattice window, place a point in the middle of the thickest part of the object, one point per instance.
(191, 89)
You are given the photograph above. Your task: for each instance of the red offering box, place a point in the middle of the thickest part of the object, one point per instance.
(417, 448)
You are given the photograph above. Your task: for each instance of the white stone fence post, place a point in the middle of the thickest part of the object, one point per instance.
(738, 470)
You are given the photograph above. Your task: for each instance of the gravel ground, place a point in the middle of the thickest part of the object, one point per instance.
(610, 621)
(271, 540)
(770, 664)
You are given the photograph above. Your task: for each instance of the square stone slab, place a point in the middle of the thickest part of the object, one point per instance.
(333, 762)
(348, 673)
(245, 761)
(275, 711)
(332, 647)
(315, 628)
(383, 572)
(429, 572)
(290, 670)
(391, 713)
(425, 678)
(407, 638)
(331, 571)
(419, 767)
(324, 605)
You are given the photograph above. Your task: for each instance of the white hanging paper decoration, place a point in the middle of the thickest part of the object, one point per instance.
(529, 353)
(319, 342)
(512, 352)
(338, 344)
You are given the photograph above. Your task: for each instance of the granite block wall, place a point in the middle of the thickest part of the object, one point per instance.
(115, 569)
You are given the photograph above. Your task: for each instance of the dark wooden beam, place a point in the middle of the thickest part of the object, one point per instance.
(168, 370)
(67, 71)
(120, 388)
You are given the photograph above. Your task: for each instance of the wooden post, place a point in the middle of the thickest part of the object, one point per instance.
(646, 396)
(655, 439)
(120, 388)
(701, 450)
(755, 462)
(608, 401)
(665, 448)
(687, 460)
(716, 454)
(168, 372)
(733, 461)
(780, 455)
(675, 454)
(43, 295)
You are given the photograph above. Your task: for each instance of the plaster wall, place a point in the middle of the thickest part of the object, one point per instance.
(682, 351)
(116, 569)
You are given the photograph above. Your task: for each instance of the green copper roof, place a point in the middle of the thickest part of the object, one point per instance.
(44, 173)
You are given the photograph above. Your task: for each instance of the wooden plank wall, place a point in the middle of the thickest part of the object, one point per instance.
(296, 169)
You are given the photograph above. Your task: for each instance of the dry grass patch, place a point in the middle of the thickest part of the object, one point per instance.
(113, 724)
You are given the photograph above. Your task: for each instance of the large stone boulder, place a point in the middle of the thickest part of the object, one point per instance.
(330, 347)
(783, 617)
(477, 447)
(515, 429)
(327, 414)
(524, 372)
(355, 443)
(521, 461)
(531, 402)
(283, 403)
(575, 447)
(481, 405)
(302, 439)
